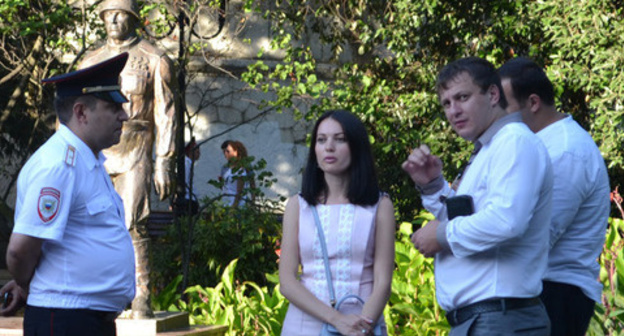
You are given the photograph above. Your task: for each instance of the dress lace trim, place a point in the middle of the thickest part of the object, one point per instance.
(341, 254)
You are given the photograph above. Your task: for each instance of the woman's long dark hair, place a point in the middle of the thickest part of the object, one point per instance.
(363, 184)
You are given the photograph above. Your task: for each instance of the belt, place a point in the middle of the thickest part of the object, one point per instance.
(107, 316)
(461, 315)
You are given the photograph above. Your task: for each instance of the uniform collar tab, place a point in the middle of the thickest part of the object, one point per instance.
(80, 148)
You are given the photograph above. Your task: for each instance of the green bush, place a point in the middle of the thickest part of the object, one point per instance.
(245, 307)
(609, 316)
(249, 309)
(208, 242)
(396, 48)
(413, 309)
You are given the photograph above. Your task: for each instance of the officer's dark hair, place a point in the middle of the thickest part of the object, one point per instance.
(64, 106)
(363, 186)
(527, 78)
(482, 72)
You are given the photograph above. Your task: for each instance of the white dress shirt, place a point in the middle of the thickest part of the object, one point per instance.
(500, 251)
(66, 198)
(580, 208)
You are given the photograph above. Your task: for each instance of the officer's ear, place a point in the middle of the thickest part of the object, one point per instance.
(79, 111)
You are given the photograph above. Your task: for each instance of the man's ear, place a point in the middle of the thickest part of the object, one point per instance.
(534, 102)
(79, 111)
(494, 94)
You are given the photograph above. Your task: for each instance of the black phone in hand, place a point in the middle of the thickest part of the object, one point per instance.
(461, 205)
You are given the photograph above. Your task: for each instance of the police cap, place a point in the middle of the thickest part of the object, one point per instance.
(100, 80)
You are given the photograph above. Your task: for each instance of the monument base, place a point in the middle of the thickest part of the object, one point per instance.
(10, 326)
(162, 324)
(162, 321)
(209, 330)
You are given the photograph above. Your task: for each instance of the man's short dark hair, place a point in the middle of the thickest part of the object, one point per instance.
(482, 72)
(64, 106)
(527, 78)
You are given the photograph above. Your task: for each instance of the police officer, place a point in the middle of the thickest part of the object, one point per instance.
(70, 249)
(149, 84)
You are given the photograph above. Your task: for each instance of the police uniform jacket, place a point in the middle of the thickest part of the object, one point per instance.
(66, 198)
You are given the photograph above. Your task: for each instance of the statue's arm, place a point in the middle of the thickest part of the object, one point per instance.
(165, 95)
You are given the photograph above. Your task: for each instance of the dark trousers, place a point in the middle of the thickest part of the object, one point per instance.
(569, 309)
(527, 321)
(40, 321)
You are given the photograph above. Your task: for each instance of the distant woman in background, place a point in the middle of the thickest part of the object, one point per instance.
(234, 174)
(359, 229)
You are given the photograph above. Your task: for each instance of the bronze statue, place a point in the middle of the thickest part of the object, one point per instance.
(149, 83)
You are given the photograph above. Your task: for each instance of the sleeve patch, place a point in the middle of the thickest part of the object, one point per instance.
(48, 204)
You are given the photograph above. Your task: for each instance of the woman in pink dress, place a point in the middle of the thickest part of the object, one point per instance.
(359, 227)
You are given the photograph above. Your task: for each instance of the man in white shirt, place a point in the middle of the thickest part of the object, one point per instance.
(490, 259)
(580, 201)
(70, 252)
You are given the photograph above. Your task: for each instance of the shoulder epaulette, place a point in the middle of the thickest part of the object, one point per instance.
(70, 156)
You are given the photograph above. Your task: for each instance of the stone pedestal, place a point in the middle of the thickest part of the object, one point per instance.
(162, 321)
(162, 324)
(10, 326)
(210, 330)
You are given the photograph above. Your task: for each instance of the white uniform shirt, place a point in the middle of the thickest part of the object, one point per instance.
(66, 198)
(580, 207)
(500, 251)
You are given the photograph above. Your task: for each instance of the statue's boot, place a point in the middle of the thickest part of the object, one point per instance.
(141, 305)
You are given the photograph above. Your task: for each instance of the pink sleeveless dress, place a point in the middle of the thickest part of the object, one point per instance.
(350, 237)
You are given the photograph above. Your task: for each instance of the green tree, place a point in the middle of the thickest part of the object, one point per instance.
(34, 35)
(385, 56)
(395, 49)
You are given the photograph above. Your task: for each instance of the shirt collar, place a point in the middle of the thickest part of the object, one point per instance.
(81, 147)
(567, 118)
(496, 126)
